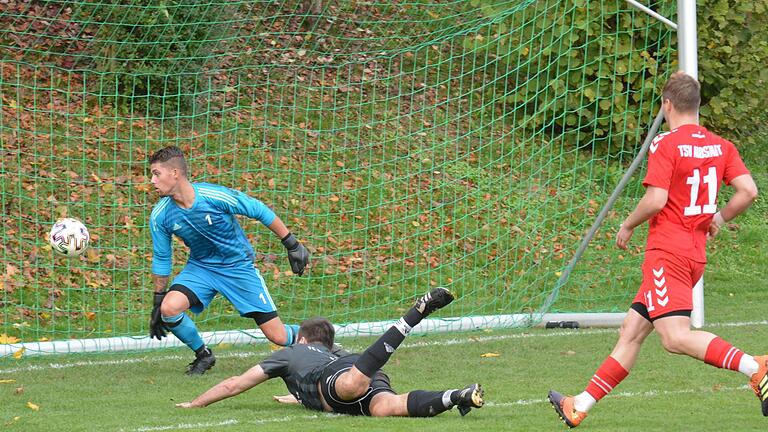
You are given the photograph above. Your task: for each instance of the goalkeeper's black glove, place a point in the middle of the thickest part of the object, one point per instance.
(298, 255)
(156, 326)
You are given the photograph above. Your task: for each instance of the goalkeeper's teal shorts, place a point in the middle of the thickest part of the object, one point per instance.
(242, 285)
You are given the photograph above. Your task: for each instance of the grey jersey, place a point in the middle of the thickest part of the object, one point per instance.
(300, 367)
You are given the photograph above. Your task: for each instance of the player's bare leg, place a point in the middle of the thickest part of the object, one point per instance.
(174, 303)
(352, 384)
(172, 312)
(678, 338)
(279, 333)
(633, 332)
(389, 405)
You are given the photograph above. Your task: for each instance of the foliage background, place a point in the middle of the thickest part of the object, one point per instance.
(281, 99)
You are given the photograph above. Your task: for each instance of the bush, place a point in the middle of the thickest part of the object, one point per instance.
(605, 64)
(152, 54)
(733, 54)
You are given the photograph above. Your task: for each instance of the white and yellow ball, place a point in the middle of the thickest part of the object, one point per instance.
(69, 237)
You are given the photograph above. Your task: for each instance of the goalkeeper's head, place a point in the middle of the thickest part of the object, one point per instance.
(172, 157)
(683, 92)
(317, 330)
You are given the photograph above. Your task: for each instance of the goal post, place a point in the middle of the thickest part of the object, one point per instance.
(688, 61)
(408, 146)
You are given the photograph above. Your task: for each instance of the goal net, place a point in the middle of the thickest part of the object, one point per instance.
(408, 145)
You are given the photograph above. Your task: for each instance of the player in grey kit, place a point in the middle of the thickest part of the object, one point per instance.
(324, 379)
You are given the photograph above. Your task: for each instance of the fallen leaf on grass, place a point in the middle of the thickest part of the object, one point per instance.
(33, 407)
(490, 354)
(18, 354)
(5, 339)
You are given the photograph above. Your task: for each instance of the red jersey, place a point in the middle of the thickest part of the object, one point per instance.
(690, 163)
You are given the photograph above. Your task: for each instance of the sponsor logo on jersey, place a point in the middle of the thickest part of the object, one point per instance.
(700, 152)
(176, 226)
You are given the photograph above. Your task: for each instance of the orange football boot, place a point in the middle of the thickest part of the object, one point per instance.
(759, 382)
(564, 407)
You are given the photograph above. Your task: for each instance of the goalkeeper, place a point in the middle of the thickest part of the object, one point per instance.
(326, 380)
(220, 257)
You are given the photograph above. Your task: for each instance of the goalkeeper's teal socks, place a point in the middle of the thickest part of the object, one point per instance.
(291, 334)
(184, 329)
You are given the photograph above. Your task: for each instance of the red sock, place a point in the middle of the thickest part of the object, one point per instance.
(608, 376)
(721, 354)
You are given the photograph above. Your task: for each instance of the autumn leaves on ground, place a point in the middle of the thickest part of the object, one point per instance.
(399, 171)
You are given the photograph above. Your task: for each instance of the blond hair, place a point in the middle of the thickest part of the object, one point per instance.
(683, 91)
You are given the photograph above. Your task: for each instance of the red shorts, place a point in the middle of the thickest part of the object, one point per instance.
(668, 282)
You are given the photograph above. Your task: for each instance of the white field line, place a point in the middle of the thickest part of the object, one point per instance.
(230, 422)
(520, 402)
(415, 344)
(261, 352)
(186, 426)
(645, 394)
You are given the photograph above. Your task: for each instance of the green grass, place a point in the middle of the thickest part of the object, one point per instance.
(137, 391)
(664, 392)
(478, 183)
(141, 394)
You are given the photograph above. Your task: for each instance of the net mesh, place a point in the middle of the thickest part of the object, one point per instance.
(407, 144)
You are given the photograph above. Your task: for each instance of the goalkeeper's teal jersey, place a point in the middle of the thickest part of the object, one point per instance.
(209, 228)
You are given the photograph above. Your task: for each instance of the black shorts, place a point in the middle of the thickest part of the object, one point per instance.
(643, 310)
(359, 406)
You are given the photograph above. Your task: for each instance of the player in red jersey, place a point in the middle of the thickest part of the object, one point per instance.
(686, 167)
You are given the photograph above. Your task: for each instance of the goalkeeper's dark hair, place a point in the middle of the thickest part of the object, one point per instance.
(318, 330)
(171, 155)
(683, 91)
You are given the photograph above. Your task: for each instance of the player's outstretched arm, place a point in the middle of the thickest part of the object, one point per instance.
(743, 197)
(298, 256)
(652, 202)
(229, 387)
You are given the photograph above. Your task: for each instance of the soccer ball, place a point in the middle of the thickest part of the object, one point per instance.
(69, 237)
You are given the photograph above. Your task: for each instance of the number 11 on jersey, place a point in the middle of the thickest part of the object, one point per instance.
(711, 181)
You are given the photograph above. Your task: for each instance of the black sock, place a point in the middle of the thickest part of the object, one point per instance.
(377, 355)
(455, 394)
(428, 403)
(203, 350)
(373, 358)
(412, 317)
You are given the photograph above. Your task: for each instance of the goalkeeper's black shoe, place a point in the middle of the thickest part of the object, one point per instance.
(433, 300)
(204, 360)
(470, 397)
(759, 382)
